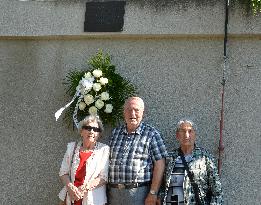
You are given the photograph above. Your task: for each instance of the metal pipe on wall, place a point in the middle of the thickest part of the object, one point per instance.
(221, 144)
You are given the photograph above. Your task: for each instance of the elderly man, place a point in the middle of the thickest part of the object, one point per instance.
(137, 159)
(191, 175)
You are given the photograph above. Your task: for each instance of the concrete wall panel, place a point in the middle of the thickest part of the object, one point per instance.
(175, 77)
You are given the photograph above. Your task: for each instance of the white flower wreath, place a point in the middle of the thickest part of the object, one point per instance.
(97, 91)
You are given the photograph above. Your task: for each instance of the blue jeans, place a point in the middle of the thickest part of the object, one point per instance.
(134, 196)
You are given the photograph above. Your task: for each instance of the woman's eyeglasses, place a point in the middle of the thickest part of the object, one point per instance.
(90, 128)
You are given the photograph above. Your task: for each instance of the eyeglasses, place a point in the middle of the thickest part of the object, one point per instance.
(90, 128)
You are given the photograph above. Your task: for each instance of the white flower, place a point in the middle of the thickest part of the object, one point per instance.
(97, 73)
(108, 108)
(99, 104)
(82, 105)
(88, 99)
(105, 96)
(96, 86)
(93, 110)
(88, 75)
(86, 84)
(103, 80)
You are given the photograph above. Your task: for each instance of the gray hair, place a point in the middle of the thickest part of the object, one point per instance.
(141, 102)
(185, 120)
(91, 118)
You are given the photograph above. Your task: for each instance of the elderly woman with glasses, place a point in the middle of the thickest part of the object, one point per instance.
(84, 169)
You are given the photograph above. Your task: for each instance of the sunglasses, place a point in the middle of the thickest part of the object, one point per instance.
(90, 128)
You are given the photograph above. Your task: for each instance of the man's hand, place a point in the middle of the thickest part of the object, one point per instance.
(158, 171)
(158, 201)
(151, 199)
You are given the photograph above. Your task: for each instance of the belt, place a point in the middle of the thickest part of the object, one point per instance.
(129, 185)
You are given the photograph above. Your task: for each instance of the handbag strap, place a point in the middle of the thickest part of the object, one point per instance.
(191, 178)
(75, 145)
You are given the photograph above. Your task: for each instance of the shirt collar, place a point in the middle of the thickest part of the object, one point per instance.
(193, 151)
(137, 131)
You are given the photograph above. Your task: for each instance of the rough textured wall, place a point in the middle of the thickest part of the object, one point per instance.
(243, 145)
(176, 76)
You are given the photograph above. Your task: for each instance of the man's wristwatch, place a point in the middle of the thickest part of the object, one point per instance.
(152, 192)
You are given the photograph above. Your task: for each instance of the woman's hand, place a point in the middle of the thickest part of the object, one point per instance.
(74, 193)
(95, 183)
(83, 189)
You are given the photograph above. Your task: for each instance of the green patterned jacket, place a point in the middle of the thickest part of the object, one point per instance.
(205, 175)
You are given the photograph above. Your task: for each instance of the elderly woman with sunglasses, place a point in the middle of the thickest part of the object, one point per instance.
(84, 169)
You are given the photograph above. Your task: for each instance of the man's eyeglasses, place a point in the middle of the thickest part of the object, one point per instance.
(90, 128)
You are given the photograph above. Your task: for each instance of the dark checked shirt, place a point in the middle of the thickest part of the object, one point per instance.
(132, 155)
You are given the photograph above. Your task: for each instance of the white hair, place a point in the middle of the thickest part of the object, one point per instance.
(141, 102)
(185, 120)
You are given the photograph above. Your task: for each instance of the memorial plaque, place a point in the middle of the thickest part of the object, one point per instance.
(104, 16)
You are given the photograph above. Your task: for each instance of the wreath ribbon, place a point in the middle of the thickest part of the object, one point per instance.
(59, 112)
